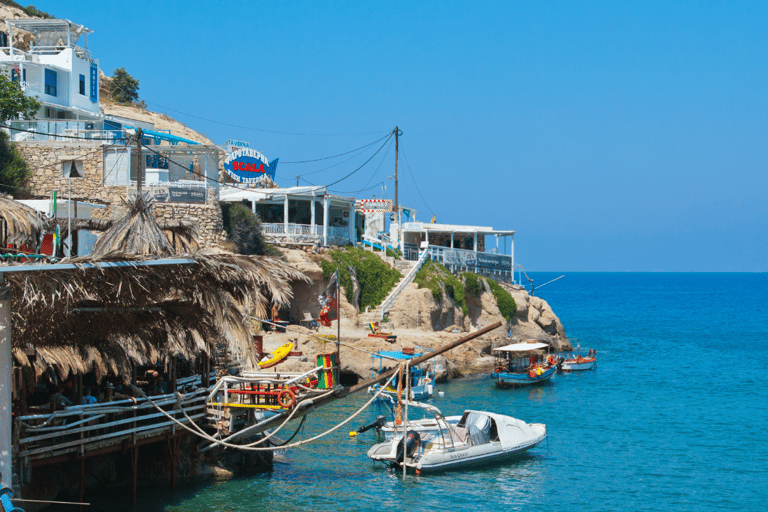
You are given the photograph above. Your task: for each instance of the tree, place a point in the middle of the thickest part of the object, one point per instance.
(123, 88)
(14, 103)
(243, 229)
(14, 170)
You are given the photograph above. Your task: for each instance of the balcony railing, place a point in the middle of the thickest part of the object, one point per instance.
(78, 429)
(495, 266)
(305, 233)
(62, 130)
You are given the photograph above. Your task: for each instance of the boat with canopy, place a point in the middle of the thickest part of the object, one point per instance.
(517, 365)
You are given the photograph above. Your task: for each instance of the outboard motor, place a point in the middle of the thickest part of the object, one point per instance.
(379, 422)
(412, 440)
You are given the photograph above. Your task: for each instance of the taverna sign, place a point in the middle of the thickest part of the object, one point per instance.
(247, 165)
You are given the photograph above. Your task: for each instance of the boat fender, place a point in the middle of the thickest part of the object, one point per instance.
(286, 399)
(412, 440)
(532, 373)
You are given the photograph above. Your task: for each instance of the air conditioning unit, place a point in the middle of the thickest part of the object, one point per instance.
(89, 126)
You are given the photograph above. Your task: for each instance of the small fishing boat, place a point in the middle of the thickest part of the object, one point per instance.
(479, 438)
(422, 379)
(576, 362)
(516, 365)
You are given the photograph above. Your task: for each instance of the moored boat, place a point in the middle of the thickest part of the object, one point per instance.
(479, 438)
(578, 363)
(516, 365)
(421, 378)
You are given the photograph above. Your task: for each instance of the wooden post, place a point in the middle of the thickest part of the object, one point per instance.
(338, 318)
(139, 163)
(134, 472)
(6, 385)
(205, 378)
(173, 375)
(172, 449)
(82, 483)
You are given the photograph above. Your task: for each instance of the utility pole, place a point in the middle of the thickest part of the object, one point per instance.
(139, 163)
(397, 209)
(297, 181)
(338, 318)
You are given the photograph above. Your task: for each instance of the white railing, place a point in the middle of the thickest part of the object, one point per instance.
(63, 130)
(305, 233)
(495, 266)
(80, 428)
(401, 286)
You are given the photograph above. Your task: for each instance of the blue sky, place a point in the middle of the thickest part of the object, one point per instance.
(611, 136)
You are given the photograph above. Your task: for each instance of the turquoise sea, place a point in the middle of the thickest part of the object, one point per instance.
(675, 418)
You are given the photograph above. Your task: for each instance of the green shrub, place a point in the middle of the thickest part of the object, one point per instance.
(375, 277)
(243, 228)
(14, 170)
(472, 284)
(504, 300)
(437, 279)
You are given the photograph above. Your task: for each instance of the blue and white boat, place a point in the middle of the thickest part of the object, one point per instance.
(517, 366)
(479, 438)
(421, 379)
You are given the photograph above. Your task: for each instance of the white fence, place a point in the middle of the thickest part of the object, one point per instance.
(304, 234)
(495, 266)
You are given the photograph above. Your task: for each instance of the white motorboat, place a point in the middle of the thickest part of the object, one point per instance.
(479, 438)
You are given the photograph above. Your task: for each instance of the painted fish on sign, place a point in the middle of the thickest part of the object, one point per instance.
(249, 166)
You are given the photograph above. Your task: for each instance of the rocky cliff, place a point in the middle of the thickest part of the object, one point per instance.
(418, 321)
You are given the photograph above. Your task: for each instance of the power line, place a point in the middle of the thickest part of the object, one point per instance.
(414, 181)
(364, 164)
(249, 127)
(372, 175)
(335, 156)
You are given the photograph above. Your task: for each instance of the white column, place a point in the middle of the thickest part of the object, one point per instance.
(253, 206)
(497, 244)
(351, 225)
(451, 239)
(6, 383)
(326, 202)
(285, 214)
(512, 255)
(475, 241)
(312, 209)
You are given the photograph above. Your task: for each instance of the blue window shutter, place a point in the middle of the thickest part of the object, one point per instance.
(94, 82)
(24, 75)
(82, 85)
(50, 82)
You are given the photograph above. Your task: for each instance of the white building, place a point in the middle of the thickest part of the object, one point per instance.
(298, 215)
(62, 75)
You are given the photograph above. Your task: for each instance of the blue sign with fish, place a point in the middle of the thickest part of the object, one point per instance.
(247, 165)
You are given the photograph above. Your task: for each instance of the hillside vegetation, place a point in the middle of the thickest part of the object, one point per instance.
(374, 276)
(440, 281)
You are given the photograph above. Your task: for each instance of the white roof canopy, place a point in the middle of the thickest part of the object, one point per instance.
(525, 346)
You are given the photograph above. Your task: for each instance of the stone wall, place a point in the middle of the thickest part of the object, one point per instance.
(45, 163)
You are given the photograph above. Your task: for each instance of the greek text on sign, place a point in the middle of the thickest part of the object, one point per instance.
(249, 166)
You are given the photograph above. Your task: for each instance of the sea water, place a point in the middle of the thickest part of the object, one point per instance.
(674, 418)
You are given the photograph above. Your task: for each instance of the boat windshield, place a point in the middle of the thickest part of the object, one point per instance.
(481, 428)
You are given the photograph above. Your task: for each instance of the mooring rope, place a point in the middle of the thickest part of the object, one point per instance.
(273, 448)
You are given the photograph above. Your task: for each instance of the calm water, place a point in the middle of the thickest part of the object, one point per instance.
(673, 419)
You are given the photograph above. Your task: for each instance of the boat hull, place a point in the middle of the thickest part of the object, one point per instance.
(507, 380)
(578, 367)
(471, 457)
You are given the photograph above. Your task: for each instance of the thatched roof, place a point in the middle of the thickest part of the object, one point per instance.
(101, 319)
(24, 223)
(136, 233)
(181, 234)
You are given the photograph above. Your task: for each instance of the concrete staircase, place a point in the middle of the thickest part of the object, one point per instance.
(375, 314)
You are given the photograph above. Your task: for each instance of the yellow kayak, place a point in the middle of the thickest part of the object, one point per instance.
(276, 356)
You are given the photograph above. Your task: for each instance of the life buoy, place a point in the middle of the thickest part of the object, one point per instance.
(551, 360)
(286, 399)
(532, 373)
